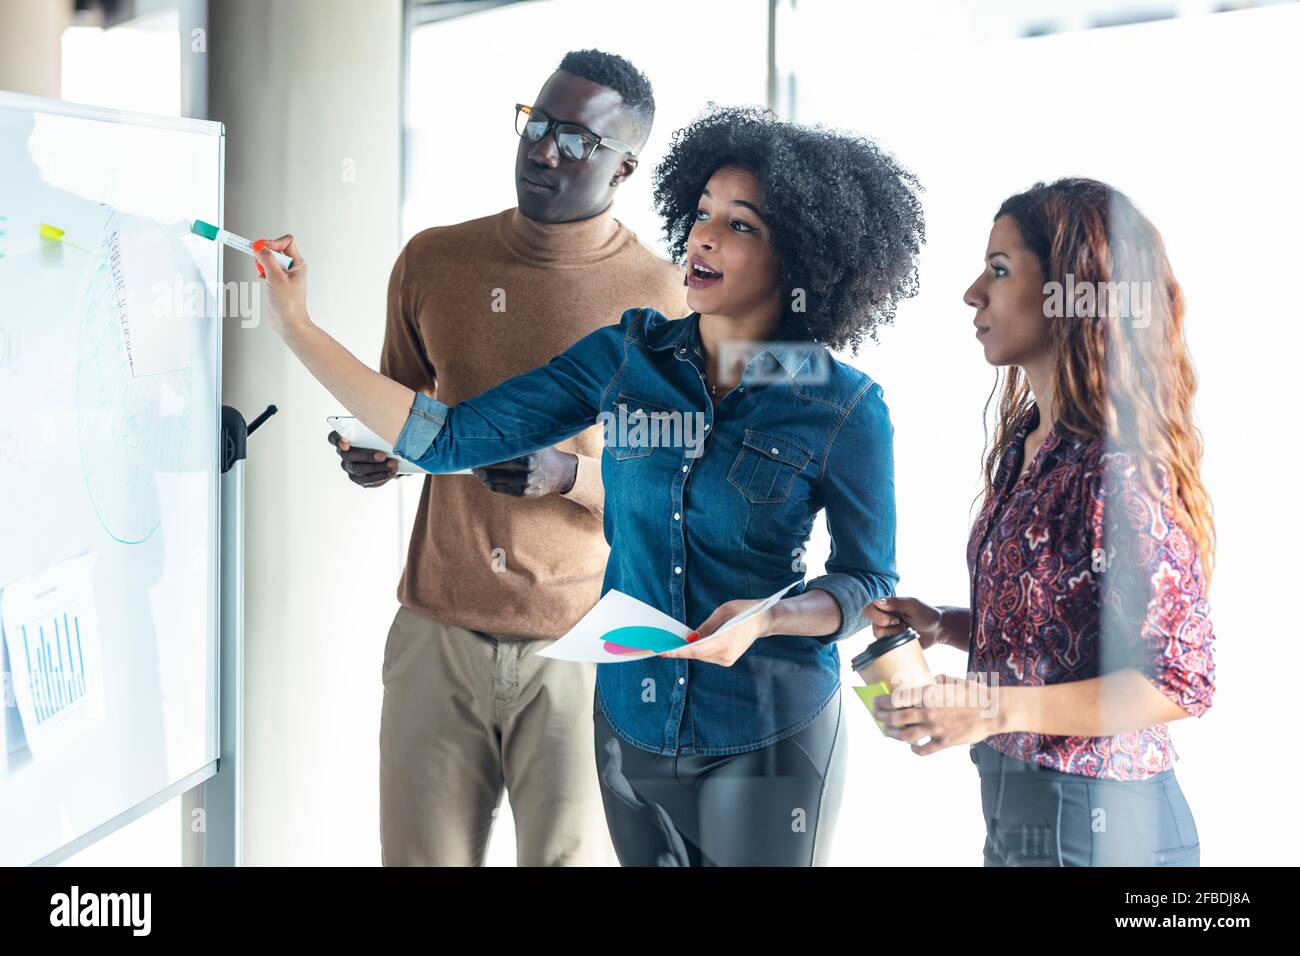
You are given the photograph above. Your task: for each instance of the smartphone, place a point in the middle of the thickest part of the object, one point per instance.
(358, 435)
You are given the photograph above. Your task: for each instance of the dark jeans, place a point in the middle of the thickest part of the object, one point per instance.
(1035, 816)
(775, 806)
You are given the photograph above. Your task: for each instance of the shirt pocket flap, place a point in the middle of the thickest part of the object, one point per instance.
(633, 428)
(634, 406)
(776, 448)
(766, 466)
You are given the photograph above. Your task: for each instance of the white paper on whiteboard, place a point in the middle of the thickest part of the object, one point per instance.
(155, 282)
(52, 632)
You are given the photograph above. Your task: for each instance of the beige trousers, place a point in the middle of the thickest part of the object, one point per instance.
(468, 714)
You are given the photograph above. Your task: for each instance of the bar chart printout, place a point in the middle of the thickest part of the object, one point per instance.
(51, 631)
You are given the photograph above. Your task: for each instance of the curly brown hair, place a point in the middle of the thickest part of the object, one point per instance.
(845, 219)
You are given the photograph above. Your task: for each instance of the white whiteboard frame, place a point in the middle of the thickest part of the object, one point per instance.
(40, 104)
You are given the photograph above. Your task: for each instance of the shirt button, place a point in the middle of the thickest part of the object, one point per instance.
(706, 426)
(681, 680)
(677, 570)
(681, 351)
(686, 467)
(677, 516)
(776, 451)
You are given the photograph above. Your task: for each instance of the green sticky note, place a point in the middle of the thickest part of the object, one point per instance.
(869, 693)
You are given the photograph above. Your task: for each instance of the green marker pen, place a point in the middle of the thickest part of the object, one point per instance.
(209, 231)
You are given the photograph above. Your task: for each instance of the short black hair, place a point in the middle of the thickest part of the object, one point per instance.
(846, 221)
(617, 73)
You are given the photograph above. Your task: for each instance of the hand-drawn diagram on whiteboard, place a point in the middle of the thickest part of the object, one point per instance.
(110, 359)
(133, 380)
(52, 633)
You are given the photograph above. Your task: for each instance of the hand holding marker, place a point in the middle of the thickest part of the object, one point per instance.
(209, 231)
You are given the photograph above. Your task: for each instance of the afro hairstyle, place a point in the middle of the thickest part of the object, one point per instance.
(845, 219)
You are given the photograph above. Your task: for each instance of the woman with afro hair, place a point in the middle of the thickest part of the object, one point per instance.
(726, 433)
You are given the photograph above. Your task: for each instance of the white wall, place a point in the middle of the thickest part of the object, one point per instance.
(31, 32)
(309, 93)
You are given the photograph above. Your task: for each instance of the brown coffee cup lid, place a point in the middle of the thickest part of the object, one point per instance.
(882, 646)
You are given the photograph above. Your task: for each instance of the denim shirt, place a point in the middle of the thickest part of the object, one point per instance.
(703, 508)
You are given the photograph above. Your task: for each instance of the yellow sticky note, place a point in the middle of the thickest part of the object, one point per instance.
(869, 693)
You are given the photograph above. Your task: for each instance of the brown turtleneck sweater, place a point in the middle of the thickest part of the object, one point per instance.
(470, 306)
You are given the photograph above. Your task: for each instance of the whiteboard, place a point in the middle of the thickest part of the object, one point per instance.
(110, 357)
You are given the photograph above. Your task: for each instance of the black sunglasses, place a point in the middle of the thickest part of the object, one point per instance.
(574, 141)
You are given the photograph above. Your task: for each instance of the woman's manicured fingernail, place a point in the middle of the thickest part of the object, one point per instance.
(259, 245)
(692, 637)
(260, 271)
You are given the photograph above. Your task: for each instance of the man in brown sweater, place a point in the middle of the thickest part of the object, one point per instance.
(502, 563)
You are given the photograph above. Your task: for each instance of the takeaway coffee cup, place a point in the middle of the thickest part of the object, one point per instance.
(889, 663)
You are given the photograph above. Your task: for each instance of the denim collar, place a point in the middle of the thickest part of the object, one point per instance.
(792, 356)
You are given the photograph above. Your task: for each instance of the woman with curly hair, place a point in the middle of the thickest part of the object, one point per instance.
(1090, 556)
(794, 239)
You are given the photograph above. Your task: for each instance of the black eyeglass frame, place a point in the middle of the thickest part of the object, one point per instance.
(524, 110)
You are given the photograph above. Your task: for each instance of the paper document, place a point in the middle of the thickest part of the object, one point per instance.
(621, 628)
(52, 634)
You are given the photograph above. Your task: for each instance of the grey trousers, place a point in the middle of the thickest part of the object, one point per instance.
(775, 806)
(467, 715)
(1035, 816)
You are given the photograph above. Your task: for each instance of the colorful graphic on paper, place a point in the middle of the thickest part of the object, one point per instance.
(621, 628)
(638, 637)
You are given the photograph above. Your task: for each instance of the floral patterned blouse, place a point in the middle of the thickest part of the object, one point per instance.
(1077, 570)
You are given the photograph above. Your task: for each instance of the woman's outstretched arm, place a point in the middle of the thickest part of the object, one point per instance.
(380, 403)
(521, 415)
